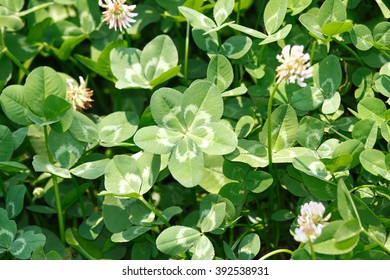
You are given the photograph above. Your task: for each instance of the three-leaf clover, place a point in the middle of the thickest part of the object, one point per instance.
(19, 243)
(187, 127)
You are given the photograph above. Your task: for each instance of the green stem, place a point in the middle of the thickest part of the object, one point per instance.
(16, 61)
(2, 186)
(186, 51)
(154, 210)
(238, 12)
(34, 9)
(351, 51)
(375, 239)
(47, 144)
(61, 223)
(269, 115)
(260, 55)
(264, 219)
(240, 238)
(60, 214)
(275, 190)
(384, 53)
(338, 133)
(313, 49)
(278, 251)
(312, 253)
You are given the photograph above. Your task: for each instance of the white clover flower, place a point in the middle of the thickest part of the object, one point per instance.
(295, 65)
(118, 14)
(79, 95)
(310, 222)
(307, 232)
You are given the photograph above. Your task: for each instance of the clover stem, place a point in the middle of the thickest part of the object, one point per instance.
(154, 210)
(351, 51)
(312, 253)
(260, 54)
(187, 47)
(269, 132)
(238, 12)
(384, 53)
(275, 190)
(278, 251)
(61, 224)
(375, 239)
(234, 246)
(33, 9)
(313, 49)
(16, 61)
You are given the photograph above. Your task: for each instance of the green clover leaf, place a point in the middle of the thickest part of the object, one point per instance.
(187, 127)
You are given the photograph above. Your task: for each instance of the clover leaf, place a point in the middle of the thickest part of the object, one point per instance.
(187, 127)
(19, 243)
(155, 64)
(126, 175)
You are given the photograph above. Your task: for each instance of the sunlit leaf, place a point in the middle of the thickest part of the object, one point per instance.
(14, 104)
(284, 128)
(332, 10)
(249, 247)
(220, 72)
(90, 170)
(361, 37)
(122, 176)
(326, 243)
(251, 152)
(236, 47)
(177, 239)
(334, 28)
(203, 249)
(197, 19)
(64, 148)
(40, 83)
(158, 56)
(274, 14)
(42, 164)
(186, 163)
(222, 9)
(117, 127)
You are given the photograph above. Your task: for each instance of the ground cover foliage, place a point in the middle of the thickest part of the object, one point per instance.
(206, 130)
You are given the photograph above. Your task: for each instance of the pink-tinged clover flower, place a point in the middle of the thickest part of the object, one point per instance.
(118, 14)
(79, 95)
(295, 65)
(310, 222)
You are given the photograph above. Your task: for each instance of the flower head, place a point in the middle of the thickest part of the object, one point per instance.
(118, 14)
(38, 192)
(295, 65)
(310, 222)
(79, 95)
